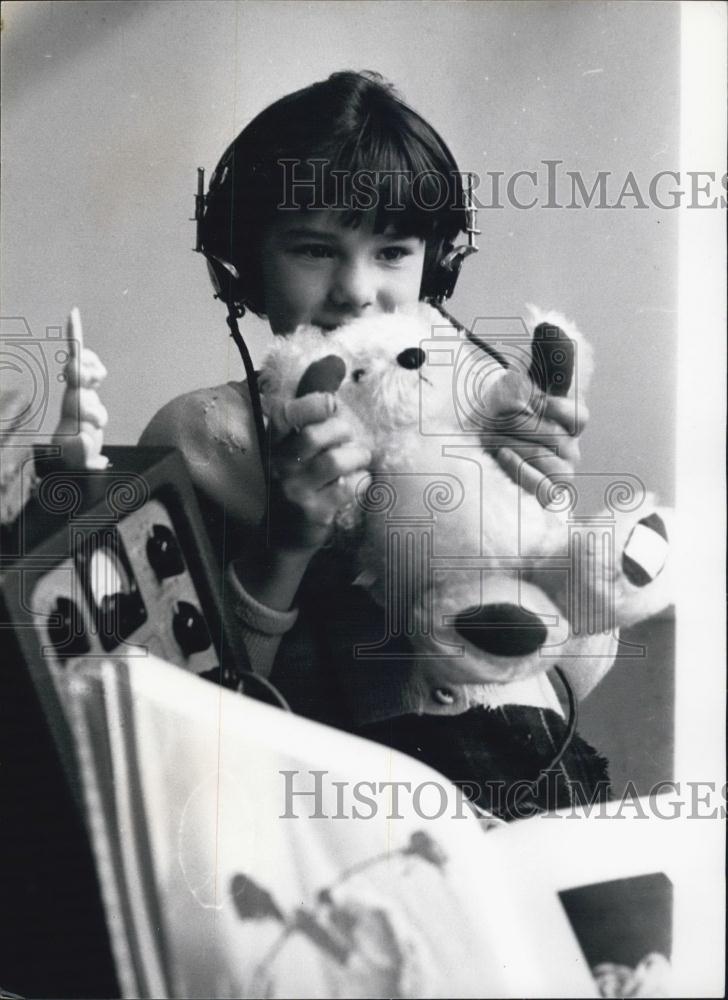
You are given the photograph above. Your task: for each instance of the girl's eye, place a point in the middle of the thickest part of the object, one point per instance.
(317, 251)
(394, 253)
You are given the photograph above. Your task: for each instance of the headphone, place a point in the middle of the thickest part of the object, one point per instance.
(442, 262)
(441, 274)
(442, 268)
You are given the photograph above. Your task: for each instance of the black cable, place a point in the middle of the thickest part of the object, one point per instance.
(572, 722)
(268, 685)
(255, 400)
(461, 328)
(262, 437)
(573, 711)
(565, 743)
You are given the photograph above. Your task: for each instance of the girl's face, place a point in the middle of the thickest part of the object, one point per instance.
(317, 270)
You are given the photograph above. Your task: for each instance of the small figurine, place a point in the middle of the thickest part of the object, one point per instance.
(79, 433)
(81, 407)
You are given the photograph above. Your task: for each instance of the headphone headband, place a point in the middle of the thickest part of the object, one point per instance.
(439, 280)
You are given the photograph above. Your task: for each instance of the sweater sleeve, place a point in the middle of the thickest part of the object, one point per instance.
(261, 627)
(214, 430)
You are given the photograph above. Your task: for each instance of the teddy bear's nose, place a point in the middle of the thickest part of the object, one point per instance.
(412, 357)
(501, 629)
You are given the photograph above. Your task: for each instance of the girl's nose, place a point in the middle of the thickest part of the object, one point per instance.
(353, 287)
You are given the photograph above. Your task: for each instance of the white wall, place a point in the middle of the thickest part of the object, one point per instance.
(108, 109)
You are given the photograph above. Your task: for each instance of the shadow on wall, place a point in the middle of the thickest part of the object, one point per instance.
(631, 713)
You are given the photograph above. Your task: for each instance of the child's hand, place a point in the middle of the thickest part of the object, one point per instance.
(530, 457)
(80, 432)
(315, 470)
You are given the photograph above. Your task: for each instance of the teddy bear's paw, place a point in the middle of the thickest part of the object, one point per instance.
(324, 375)
(643, 585)
(581, 354)
(645, 553)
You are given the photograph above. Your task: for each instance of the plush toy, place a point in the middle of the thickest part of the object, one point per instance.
(488, 582)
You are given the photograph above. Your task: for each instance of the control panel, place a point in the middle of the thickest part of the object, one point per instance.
(127, 589)
(114, 562)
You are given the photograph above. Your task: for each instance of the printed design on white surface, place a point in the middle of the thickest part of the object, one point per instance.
(624, 928)
(367, 942)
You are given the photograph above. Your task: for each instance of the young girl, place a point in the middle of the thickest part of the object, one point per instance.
(317, 214)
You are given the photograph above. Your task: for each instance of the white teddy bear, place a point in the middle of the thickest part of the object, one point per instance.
(487, 583)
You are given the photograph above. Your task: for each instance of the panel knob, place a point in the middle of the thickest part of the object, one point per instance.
(190, 628)
(163, 552)
(120, 614)
(66, 630)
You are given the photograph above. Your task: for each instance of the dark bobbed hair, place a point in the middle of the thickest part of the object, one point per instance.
(350, 125)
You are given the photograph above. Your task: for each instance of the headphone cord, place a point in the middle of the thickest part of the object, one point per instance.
(573, 711)
(244, 675)
(255, 400)
(262, 438)
(572, 720)
(461, 328)
(566, 742)
(252, 377)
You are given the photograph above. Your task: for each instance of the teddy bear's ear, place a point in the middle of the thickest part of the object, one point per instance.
(324, 375)
(552, 360)
(581, 351)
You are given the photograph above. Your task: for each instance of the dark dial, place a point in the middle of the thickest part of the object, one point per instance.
(190, 628)
(163, 552)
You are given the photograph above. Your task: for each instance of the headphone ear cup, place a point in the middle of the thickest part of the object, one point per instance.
(212, 214)
(212, 270)
(226, 283)
(439, 282)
